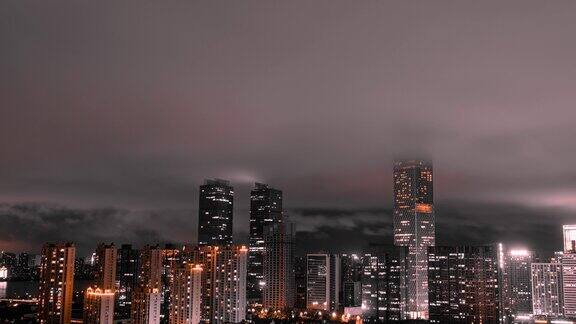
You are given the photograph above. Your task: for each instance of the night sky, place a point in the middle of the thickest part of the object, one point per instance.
(113, 113)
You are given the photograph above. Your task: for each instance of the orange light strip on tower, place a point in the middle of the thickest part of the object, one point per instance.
(424, 208)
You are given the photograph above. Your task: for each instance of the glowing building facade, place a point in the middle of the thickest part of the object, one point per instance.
(230, 285)
(186, 295)
(265, 209)
(98, 306)
(569, 284)
(147, 297)
(414, 227)
(569, 235)
(518, 286)
(215, 213)
(547, 295)
(56, 283)
(223, 278)
(172, 259)
(463, 285)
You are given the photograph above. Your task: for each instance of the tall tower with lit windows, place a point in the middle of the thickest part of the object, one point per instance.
(265, 210)
(55, 288)
(215, 213)
(414, 227)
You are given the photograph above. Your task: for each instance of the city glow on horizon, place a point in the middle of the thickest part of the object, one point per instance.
(519, 252)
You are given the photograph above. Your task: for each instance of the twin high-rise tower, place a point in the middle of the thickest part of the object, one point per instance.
(266, 220)
(414, 227)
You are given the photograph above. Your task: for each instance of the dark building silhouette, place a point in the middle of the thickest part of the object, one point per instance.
(351, 280)
(215, 213)
(463, 284)
(279, 292)
(147, 296)
(414, 227)
(265, 209)
(300, 282)
(127, 267)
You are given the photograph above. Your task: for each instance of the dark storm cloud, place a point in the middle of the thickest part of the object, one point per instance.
(26, 227)
(132, 104)
(457, 223)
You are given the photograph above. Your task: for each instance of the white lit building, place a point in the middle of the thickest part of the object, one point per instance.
(569, 284)
(569, 232)
(98, 306)
(186, 295)
(518, 287)
(223, 288)
(547, 289)
(229, 286)
(323, 282)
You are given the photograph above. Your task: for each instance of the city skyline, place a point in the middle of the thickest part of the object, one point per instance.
(302, 161)
(409, 278)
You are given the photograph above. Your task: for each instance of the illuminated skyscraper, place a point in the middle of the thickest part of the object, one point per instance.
(463, 285)
(206, 257)
(98, 306)
(323, 282)
(279, 292)
(186, 295)
(265, 209)
(414, 227)
(127, 268)
(147, 298)
(569, 284)
(547, 292)
(518, 287)
(56, 283)
(215, 213)
(229, 296)
(223, 282)
(172, 259)
(569, 232)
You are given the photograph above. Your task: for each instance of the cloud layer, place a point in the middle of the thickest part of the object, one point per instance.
(26, 227)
